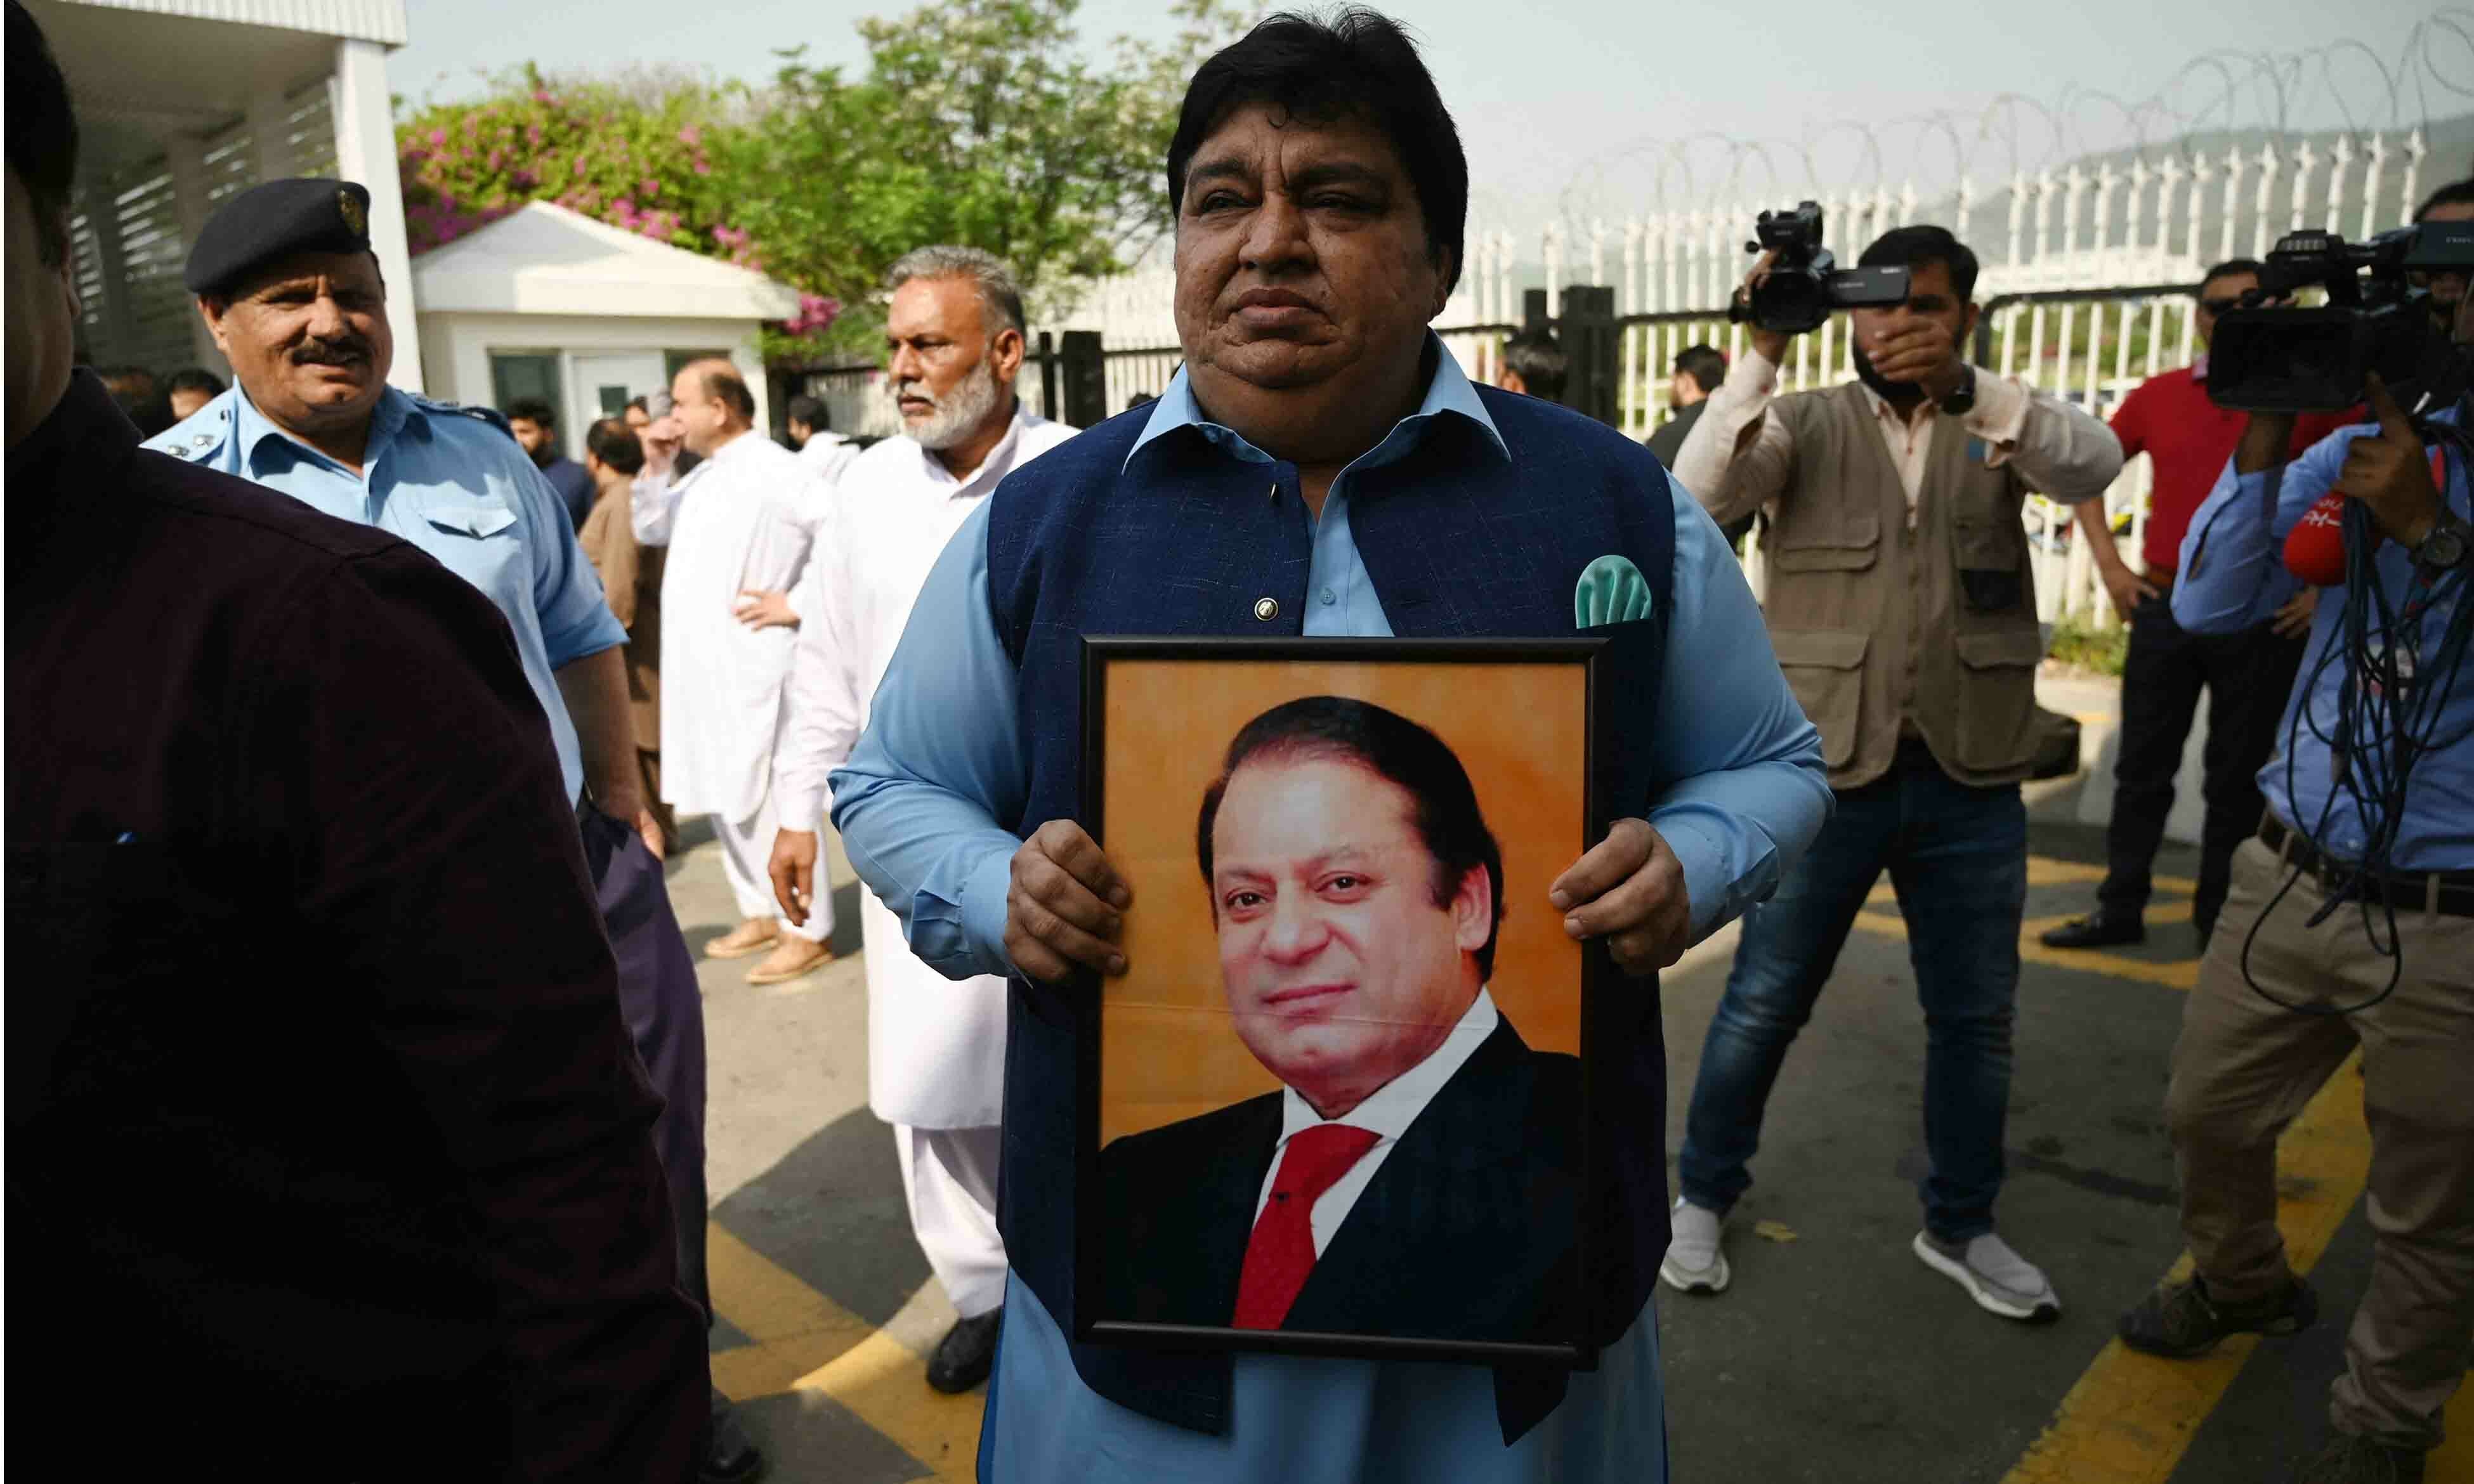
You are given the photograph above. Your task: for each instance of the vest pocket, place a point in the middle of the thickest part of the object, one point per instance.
(1997, 698)
(1840, 541)
(1824, 668)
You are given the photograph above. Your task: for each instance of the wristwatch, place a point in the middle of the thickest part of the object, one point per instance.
(1962, 401)
(2445, 546)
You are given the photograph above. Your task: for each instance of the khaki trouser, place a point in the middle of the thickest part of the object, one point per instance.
(2243, 1068)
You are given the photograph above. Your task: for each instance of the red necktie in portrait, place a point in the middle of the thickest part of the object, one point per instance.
(1281, 1252)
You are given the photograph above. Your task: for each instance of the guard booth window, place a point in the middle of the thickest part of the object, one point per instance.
(522, 375)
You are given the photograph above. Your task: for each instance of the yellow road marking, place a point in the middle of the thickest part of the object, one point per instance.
(2131, 1417)
(803, 1342)
(2045, 871)
(2171, 973)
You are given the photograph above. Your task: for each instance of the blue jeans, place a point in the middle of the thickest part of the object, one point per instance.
(1958, 859)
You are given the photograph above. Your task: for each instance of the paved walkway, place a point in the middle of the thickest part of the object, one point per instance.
(1836, 1357)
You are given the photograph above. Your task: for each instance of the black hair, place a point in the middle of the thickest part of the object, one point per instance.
(726, 386)
(531, 409)
(194, 378)
(638, 404)
(1706, 365)
(43, 133)
(2230, 267)
(2456, 193)
(1914, 246)
(1539, 358)
(1392, 747)
(1357, 64)
(808, 412)
(615, 444)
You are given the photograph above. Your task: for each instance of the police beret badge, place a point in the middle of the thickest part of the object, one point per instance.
(356, 217)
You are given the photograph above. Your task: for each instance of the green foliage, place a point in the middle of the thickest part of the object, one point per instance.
(2088, 644)
(977, 122)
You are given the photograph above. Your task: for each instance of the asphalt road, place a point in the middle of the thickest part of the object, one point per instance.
(1835, 1357)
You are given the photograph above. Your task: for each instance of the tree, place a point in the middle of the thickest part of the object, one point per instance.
(977, 122)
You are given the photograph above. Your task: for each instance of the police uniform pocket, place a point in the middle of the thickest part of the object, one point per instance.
(477, 520)
(1997, 701)
(1824, 668)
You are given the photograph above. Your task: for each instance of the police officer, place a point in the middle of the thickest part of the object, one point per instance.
(397, 1220)
(288, 283)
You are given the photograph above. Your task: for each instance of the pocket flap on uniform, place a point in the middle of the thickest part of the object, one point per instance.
(472, 519)
(1825, 649)
(2003, 647)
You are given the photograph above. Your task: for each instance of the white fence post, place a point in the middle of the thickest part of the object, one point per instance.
(2371, 172)
(2234, 168)
(2268, 169)
(2415, 150)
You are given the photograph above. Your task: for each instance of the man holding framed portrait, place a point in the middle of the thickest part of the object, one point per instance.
(1322, 474)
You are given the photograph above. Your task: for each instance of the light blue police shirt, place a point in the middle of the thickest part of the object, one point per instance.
(943, 760)
(459, 488)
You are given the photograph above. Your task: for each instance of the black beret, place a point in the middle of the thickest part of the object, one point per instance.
(274, 221)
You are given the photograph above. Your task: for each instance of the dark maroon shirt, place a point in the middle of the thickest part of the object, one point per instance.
(321, 1110)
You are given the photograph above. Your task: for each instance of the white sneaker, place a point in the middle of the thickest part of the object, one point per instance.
(1693, 1263)
(1997, 1279)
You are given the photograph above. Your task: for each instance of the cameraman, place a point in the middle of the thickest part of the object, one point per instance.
(2245, 1063)
(1902, 608)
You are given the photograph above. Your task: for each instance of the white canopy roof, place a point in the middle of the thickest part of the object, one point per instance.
(545, 259)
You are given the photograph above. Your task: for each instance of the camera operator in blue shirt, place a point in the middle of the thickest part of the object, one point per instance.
(2350, 921)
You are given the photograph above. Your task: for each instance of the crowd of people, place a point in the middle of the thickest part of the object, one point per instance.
(405, 688)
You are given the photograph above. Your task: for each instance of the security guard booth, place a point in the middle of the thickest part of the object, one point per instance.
(182, 104)
(548, 302)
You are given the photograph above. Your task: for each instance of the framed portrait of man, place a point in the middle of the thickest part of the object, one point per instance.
(1336, 1103)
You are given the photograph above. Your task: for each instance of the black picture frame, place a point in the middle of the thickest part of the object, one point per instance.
(1601, 990)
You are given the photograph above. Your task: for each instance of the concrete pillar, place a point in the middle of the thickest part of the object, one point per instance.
(270, 143)
(365, 151)
(186, 155)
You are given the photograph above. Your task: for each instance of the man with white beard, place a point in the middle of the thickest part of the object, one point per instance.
(954, 335)
(741, 519)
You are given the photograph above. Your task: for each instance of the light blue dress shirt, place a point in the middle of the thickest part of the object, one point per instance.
(2233, 577)
(460, 488)
(944, 759)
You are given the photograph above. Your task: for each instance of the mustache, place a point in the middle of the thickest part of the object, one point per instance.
(330, 352)
(912, 387)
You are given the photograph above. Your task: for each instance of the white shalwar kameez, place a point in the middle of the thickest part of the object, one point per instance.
(935, 1049)
(741, 520)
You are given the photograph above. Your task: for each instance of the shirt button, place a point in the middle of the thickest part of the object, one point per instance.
(1266, 609)
(1329, 597)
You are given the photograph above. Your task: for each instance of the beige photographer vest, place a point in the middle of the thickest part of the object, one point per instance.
(1882, 629)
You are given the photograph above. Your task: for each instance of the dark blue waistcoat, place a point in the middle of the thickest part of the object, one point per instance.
(1458, 545)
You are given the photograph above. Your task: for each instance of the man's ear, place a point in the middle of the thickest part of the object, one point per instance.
(1446, 264)
(1967, 328)
(1473, 910)
(1006, 353)
(212, 311)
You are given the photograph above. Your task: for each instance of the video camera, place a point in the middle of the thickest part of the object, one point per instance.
(1805, 281)
(2263, 359)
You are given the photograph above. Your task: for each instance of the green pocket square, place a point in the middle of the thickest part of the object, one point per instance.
(1611, 591)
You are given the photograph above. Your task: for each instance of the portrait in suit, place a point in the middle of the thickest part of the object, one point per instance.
(1417, 1172)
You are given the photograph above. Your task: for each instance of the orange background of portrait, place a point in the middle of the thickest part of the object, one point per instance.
(1167, 1050)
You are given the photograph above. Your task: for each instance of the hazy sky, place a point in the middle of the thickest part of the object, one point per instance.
(1570, 102)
